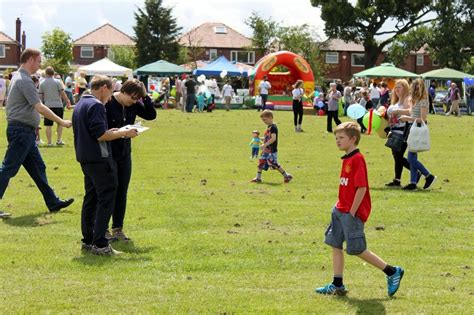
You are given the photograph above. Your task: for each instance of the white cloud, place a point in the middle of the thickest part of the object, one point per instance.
(42, 13)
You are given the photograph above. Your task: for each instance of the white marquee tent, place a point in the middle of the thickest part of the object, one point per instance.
(106, 67)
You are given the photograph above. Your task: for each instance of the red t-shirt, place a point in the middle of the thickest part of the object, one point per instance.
(353, 175)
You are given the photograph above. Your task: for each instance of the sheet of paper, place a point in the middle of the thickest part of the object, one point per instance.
(139, 128)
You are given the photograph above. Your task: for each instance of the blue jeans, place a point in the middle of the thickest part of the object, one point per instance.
(255, 151)
(22, 150)
(416, 166)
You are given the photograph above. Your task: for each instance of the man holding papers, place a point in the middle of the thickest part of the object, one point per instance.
(122, 109)
(92, 139)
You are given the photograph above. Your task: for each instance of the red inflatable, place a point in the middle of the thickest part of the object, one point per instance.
(281, 82)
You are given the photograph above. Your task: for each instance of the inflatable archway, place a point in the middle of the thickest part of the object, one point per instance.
(281, 82)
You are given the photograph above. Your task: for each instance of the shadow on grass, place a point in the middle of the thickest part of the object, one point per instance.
(126, 248)
(366, 306)
(270, 184)
(418, 191)
(32, 220)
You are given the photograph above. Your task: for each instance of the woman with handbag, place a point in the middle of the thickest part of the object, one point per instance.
(417, 115)
(400, 104)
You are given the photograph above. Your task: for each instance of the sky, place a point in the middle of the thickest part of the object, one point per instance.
(80, 17)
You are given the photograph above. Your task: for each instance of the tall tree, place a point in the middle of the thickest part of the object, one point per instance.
(365, 20)
(156, 33)
(452, 42)
(410, 42)
(265, 31)
(57, 50)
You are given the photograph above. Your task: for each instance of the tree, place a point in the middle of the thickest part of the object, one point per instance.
(452, 41)
(408, 43)
(449, 39)
(57, 50)
(265, 32)
(191, 51)
(365, 20)
(124, 56)
(156, 33)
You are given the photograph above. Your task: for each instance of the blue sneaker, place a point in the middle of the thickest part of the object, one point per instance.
(331, 289)
(393, 282)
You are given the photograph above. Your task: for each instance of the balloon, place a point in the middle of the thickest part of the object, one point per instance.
(316, 93)
(448, 82)
(208, 94)
(321, 112)
(375, 121)
(152, 87)
(356, 111)
(223, 74)
(320, 104)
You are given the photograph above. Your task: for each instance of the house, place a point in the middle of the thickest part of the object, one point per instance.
(96, 44)
(343, 59)
(10, 49)
(217, 39)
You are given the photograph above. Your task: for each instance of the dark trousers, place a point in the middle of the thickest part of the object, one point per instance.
(124, 173)
(100, 183)
(332, 114)
(190, 99)
(264, 100)
(22, 150)
(400, 161)
(297, 112)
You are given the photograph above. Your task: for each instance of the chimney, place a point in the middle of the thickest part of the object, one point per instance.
(18, 38)
(23, 41)
(18, 30)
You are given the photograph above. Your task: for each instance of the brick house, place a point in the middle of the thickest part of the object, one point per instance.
(218, 39)
(10, 49)
(96, 44)
(346, 58)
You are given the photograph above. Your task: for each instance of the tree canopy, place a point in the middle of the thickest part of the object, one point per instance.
(366, 20)
(57, 50)
(124, 56)
(449, 39)
(156, 33)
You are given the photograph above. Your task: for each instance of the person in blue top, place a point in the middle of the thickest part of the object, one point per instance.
(255, 144)
(432, 94)
(92, 138)
(122, 109)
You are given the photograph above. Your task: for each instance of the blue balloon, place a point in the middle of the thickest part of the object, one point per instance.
(356, 111)
(316, 93)
(448, 83)
(208, 94)
(320, 104)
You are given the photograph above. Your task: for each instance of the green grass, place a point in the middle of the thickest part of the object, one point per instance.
(234, 247)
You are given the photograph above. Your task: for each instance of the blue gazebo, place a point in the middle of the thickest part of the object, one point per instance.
(217, 66)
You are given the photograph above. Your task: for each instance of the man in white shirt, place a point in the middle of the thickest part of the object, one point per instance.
(263, 88)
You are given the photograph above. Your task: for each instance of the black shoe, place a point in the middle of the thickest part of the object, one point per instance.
(429, 181)
(410, 187)
(62, 204)
(393, 183)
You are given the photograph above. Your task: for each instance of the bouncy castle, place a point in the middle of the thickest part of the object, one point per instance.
(282, 82)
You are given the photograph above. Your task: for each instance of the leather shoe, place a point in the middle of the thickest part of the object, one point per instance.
(61, 204)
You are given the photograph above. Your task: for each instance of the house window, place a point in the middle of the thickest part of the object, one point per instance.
(242, 56)
(419, 60)
(220, 30)
(435, 63)
(87, 52)
(2, 51)
(332, 57)
(358, 60)
(212, 54)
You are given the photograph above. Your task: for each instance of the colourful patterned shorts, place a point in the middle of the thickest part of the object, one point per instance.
(268, 160)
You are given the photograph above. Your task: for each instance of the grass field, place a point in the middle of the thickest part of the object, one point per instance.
(208, 241)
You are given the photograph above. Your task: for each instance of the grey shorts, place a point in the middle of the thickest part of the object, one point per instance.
(345, 227)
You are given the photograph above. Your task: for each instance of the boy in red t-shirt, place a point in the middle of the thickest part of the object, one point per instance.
(350, 213)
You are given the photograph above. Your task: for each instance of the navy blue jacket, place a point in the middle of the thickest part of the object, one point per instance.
(89, 122)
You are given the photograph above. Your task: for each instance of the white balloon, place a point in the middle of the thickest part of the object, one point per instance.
(223, 74)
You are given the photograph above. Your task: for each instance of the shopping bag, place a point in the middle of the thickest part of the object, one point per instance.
(419, 138)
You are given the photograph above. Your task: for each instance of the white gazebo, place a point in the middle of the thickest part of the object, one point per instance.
(106, 67)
